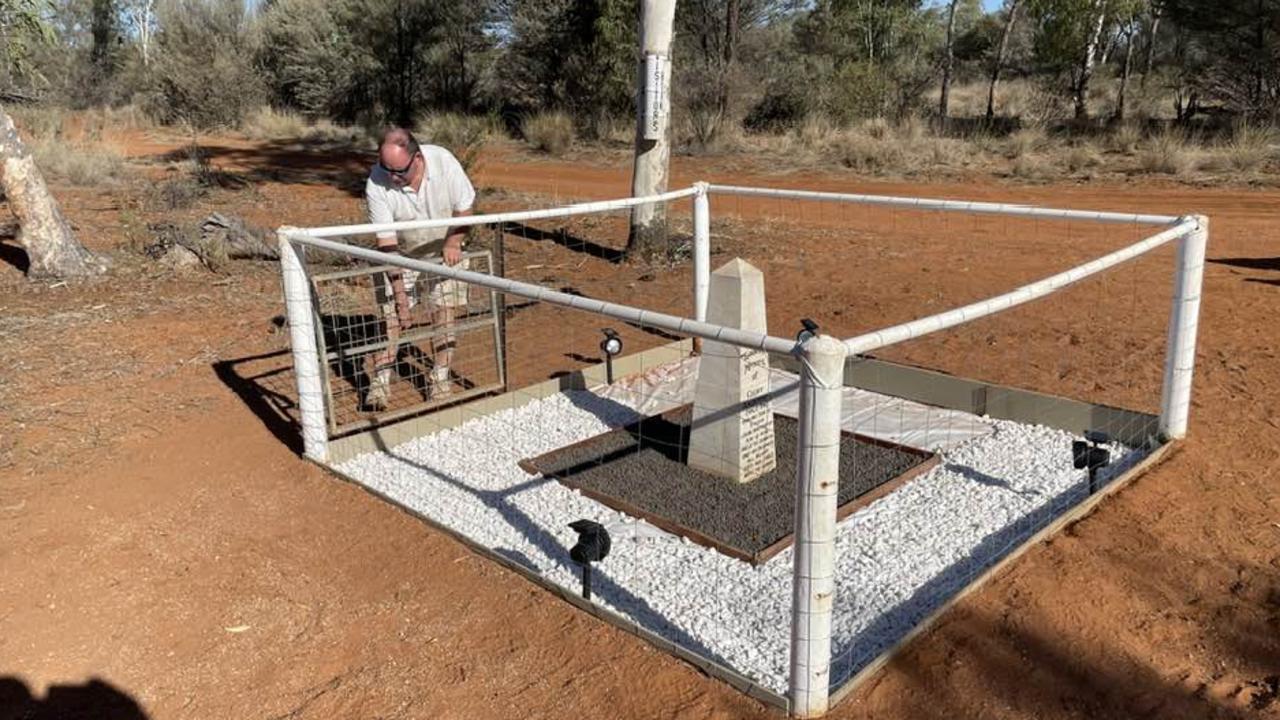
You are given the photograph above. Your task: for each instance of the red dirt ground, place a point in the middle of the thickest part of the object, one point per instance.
(159, 532)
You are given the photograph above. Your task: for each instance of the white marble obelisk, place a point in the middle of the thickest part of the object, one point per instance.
(732, 433)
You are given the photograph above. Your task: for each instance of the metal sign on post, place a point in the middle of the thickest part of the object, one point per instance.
(655, 70)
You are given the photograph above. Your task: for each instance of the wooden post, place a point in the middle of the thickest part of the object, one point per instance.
(653, 126)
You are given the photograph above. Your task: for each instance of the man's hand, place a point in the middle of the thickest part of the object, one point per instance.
(453, 251)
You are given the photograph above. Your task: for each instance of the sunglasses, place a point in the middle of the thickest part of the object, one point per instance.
(403, 172)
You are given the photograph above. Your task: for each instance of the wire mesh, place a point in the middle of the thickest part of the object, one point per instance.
(381, 364)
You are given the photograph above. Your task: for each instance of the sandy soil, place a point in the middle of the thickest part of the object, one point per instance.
(159, 532)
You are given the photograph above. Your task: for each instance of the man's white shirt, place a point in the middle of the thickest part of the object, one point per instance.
(444, 190)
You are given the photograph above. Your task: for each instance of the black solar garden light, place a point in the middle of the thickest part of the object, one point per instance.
(611, 345)
(1087, 453)
(593, 546)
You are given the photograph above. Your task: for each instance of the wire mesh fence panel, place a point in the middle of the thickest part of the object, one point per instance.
(382, 363)
(1004, 401)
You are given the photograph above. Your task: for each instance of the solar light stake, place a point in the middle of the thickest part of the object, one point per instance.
(611, 345)
(593, 546)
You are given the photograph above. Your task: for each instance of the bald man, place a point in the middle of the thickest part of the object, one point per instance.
(417, 182)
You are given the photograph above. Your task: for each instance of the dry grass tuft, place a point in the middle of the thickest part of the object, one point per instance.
(1168, 153)
(1030, 167)
(1125, 139)
(1082, 156)
(463, 135)
(86, 164)
(1024, 142)
(551, 132)
(866, 153)
(267, 123)
(1249, 149)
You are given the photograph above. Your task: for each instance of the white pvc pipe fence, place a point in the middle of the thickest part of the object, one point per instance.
(495, 218)
(923, 326)
(823, 358)
(982, 208)
(813, 587)
(306, 356)
(1184, 322)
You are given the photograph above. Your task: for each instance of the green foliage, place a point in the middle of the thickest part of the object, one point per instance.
(310, 62)
(23, 27)
(200, 76)
(567, 53)
(1231, 51)
(291, 68)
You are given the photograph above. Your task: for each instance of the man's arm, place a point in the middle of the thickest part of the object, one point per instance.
(453, 241)
(463, 196)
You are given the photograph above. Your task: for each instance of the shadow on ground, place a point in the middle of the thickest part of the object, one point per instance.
(265, 384)
(94, 699)
(14, 256)
(290, 162)
(1250, 263)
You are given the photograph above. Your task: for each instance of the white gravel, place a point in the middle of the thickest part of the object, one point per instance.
(898, 558)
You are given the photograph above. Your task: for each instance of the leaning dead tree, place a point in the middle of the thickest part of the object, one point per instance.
(52, 249)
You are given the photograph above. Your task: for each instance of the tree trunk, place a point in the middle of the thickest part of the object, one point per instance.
(1125, 70)
(1151, 43)
(52, 249)
(653, 156)
(1087, 63)
(948, 64)
(999, 63)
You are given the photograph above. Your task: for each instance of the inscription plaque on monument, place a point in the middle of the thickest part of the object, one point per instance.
(732, 432)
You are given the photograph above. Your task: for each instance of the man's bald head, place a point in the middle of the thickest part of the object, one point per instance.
(397, 152)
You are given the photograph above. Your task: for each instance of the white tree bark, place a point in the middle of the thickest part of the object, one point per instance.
(653, 157)
(1001, 50)
(1089, 60)
(52, 249)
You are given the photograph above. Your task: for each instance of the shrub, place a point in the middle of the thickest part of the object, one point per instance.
(37, 122)
(612, 129)
(780, 109)
(945, 151)
(203, 73)
(550, 132)
(463, 135)
(1167, 153)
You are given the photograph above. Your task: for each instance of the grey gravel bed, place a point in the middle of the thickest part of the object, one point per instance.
(644, 466)
(897, 559)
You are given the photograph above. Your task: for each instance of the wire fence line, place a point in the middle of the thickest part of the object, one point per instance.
(867, 342)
